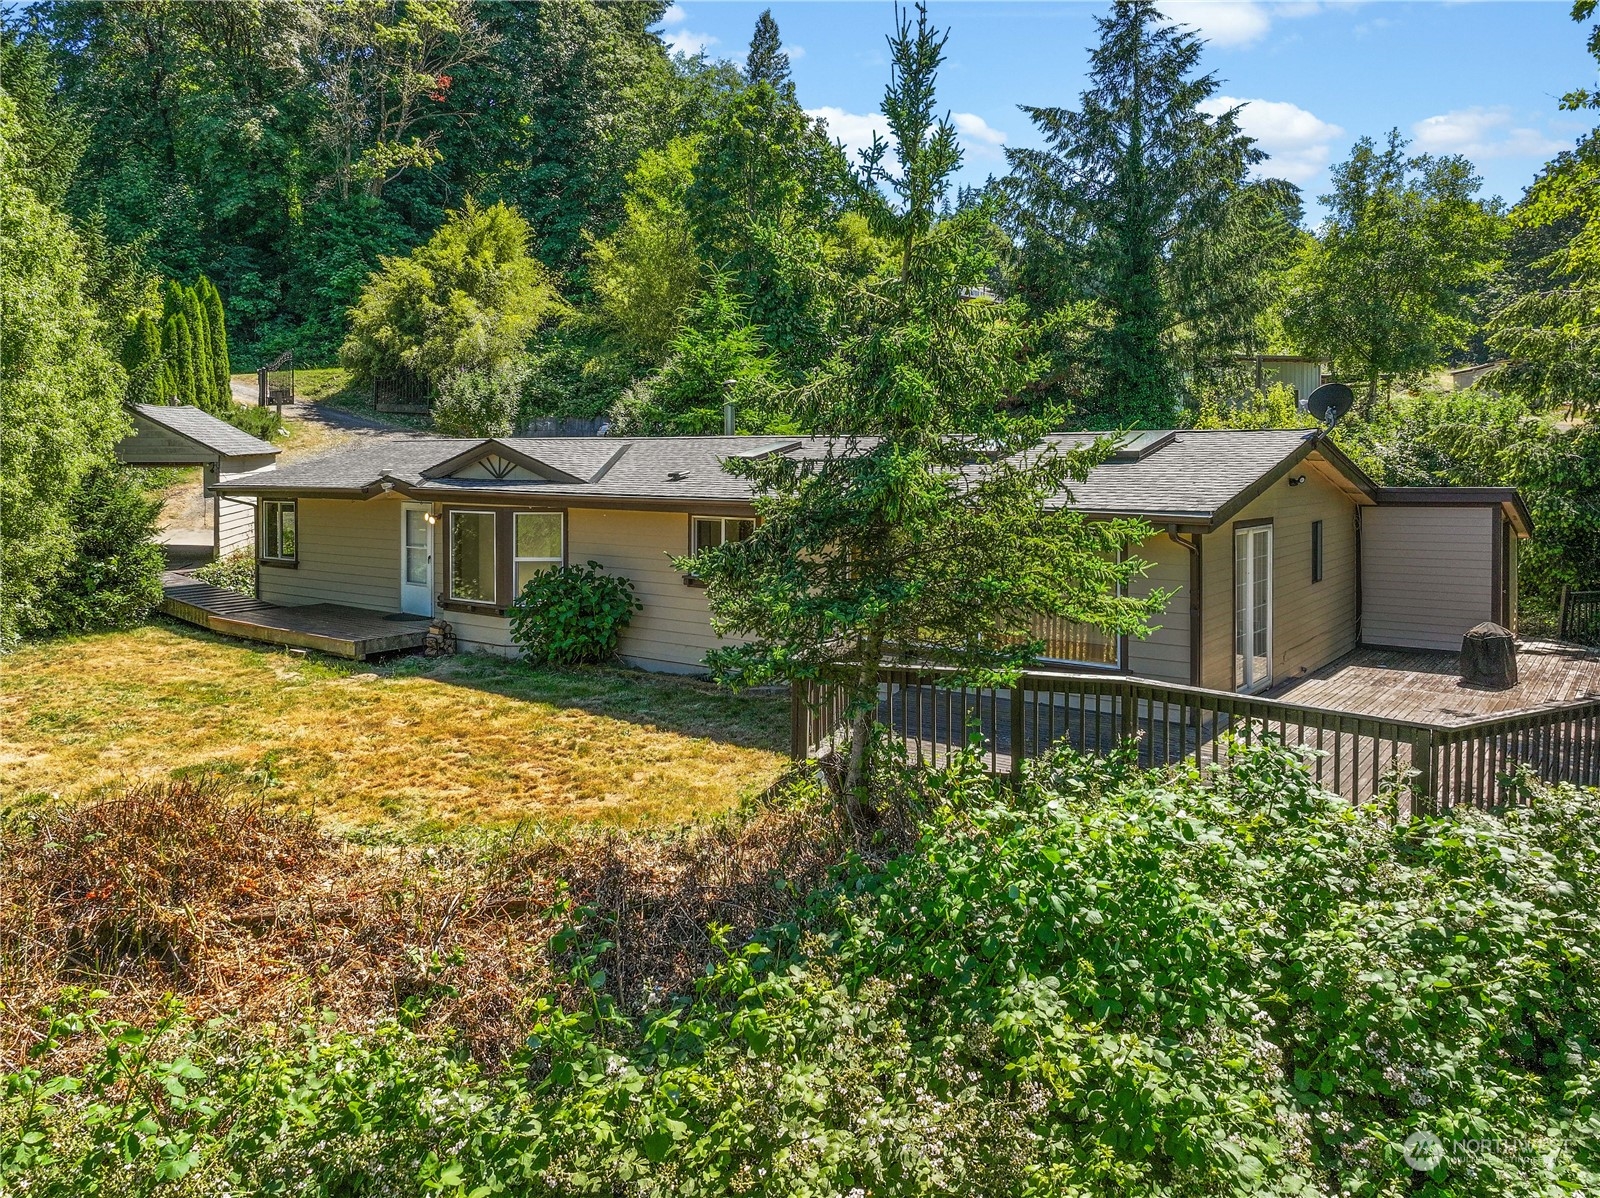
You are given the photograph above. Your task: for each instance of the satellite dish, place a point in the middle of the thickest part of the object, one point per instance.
(1330, 401)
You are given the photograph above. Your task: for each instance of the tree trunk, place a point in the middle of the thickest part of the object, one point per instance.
(1371, 400)
(864, 699)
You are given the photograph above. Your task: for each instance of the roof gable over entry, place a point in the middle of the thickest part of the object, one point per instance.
(526, 460)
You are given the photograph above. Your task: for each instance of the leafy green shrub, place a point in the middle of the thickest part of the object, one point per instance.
(236, 572)
(572, 614)
(1107, 982)
(258, 422)
(479, 403)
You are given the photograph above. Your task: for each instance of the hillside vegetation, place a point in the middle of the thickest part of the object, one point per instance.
(1106, 982)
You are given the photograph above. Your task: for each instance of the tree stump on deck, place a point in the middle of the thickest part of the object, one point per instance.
(1489, 657)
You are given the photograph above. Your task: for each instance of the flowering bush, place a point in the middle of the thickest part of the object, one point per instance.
(1107, 982)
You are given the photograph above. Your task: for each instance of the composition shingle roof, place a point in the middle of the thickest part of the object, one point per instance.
(1190, 477)
(205, 430)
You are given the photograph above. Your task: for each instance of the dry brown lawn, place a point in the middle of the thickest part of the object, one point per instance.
(410, 746)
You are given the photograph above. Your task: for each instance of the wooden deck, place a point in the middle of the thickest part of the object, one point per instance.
(326, 627)
(1425, 686)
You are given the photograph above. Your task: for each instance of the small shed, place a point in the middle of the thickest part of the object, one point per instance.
(181, 435)
(1299, 374)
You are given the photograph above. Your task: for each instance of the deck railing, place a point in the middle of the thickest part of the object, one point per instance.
(1426, 766)
(1580, 617)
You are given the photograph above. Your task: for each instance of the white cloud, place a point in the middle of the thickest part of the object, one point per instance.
(679, 38)
(1480, 132)
(1300, 143)
(1236, 22)
(853, 128)
(978, 138)
(1222, 22)
(795, 53)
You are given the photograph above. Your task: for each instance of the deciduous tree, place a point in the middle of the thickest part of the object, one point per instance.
(467, 300)
(1383, 291)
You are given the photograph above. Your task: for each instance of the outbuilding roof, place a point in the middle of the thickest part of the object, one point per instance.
(205, 430)
(1189, 477)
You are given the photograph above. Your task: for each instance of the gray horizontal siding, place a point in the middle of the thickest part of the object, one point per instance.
(1164, 654)
(349, 553)
(1427, 574)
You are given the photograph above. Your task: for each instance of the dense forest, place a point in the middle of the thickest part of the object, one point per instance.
(539, 211)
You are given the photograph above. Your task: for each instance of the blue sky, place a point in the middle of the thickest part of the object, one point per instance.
(1478, 78)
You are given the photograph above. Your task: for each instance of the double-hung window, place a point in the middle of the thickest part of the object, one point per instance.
(472, 557)
(278, 541)
(537, 548)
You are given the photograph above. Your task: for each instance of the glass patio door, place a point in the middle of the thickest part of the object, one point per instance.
(1252, 607)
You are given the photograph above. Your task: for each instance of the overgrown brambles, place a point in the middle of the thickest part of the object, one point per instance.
(1109, 982)
(199, 887)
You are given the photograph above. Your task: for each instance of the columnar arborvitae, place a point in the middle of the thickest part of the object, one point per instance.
(184, 358)
(141, 358)
(171, 361)
(202, 384)
(217, 326)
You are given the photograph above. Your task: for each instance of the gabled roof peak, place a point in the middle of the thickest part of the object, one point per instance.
(526, 459)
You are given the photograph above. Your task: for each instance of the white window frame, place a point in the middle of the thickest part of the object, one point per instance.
(494, 560)
(722, 522)
(271, 509)
(1240, 682)
(517, 560)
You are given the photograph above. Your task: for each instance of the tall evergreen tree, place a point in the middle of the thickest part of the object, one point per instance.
(217, 328)
(204, 384)
(902, 538)
(766, 62)
(141, 358)
(1138, 205)
(180, 345)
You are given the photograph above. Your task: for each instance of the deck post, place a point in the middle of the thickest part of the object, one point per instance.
(1018, 732)
(1424, 801)
(798, 749)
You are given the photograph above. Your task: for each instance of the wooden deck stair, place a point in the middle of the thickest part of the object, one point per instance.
(326, 627)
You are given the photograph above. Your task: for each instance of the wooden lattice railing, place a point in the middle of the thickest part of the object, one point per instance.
(1425, 766)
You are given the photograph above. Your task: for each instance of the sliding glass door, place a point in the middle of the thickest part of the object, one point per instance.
(1252, 607)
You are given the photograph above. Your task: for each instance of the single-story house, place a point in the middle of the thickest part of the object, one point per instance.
(180, 435)
(1282, 554)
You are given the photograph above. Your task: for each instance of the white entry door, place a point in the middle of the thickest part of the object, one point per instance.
(416, 559)
(1252, 607)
